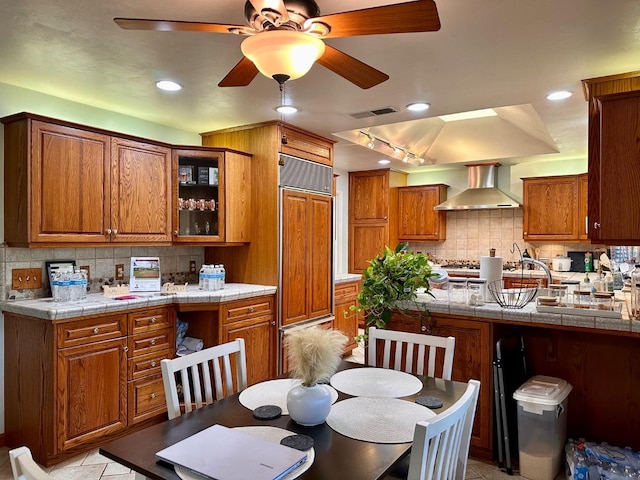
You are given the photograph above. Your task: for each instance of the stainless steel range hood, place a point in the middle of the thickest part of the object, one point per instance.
(482, 191)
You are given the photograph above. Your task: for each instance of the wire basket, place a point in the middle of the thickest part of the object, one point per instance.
(511, 297)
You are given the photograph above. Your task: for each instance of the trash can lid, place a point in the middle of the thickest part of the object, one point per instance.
(543, 390)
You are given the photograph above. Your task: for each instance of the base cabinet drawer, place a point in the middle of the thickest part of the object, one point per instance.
(149, 364)
(146, 398)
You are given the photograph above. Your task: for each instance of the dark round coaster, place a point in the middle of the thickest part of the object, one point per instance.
(267, 412)
(299, 442)
(429, 402)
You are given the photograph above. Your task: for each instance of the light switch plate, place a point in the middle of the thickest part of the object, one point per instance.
(119, 272)
(26, 278)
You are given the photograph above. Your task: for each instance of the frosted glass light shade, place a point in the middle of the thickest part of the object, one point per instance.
(283, 52)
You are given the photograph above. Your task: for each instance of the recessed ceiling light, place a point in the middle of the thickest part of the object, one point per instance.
(559, 95)
(454, 117)
(418, 106)
(168, 85)
(384, 162)
(286, 109)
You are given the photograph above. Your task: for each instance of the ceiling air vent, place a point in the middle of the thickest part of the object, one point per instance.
(374, 113)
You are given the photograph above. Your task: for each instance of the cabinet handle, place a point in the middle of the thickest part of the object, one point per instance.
(251, 309)
(126, 349)
(423, 328)
(153, 363)
(108, 231)
(153, 341)
(273, 322)
(153, 395)
(153, 320)
(175, 233)
(115, 231)
(596, 225)
(96, 330)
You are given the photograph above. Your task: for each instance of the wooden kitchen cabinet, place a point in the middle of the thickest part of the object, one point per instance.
(345, 320)
(471, 359)
(83, 380)
(269, 259)
(373, 219)
(554, 208)
(211, 196)
(306, 256)
(254, 321)
(417, 218)
(70, 184)
(614, 155)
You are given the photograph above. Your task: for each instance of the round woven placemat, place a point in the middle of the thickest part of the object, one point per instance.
(377, 419)
(273, 392)
(376, 382)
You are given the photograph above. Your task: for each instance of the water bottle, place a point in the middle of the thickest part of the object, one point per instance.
(223, 279)
(85, 282)
(65, 286)
(201, 277)
(55, 286)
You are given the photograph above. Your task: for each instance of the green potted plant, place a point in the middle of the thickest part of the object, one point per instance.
(393, 277)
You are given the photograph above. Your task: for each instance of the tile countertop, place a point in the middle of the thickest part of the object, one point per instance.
(347, 277)
(527, 314)
(96, 303)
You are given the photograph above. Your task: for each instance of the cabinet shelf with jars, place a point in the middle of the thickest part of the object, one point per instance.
(212, 195)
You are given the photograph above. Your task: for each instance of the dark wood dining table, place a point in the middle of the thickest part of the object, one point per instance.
(336, 456)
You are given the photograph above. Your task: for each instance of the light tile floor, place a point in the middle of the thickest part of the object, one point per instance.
(93, 466)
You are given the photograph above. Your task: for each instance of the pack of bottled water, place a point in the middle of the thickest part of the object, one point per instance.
(600, 461)
(212, 277)
(69, 286)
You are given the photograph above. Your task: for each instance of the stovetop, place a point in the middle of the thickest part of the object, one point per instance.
(475, 265)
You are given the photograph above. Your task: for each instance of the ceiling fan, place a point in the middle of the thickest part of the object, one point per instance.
(284, 37)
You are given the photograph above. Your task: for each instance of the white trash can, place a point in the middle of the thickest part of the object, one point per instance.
(542, 426)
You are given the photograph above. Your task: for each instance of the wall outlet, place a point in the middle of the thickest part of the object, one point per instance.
(88, 270)
(119, 272)
(192, 266)
(26, 278)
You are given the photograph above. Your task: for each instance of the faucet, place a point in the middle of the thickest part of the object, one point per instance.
(541, 265)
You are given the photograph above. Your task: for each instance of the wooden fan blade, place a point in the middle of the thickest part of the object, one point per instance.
(174, 25)
(417, 16)
(241, 75)
(350, 68)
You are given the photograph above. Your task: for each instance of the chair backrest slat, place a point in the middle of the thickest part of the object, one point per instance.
(195, 375)
(409, 343)
(441, 445)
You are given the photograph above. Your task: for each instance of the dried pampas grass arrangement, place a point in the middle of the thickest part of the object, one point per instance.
(314, 353)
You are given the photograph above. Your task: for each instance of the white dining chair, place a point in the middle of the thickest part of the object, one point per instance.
(24, 467)
(196, 371)
(440, 447)
(406, 345)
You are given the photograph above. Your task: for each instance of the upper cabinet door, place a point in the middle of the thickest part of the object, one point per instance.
(418, 219)
(140, 192)
(70, 180)
(369, 196)
(550, 208)
(618, 217)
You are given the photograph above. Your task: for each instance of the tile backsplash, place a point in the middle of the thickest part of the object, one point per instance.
(472, 233)
(174, 264)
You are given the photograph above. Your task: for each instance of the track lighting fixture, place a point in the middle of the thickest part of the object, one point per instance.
(400, 153)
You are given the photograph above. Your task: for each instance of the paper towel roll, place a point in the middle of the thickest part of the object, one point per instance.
(491, 270)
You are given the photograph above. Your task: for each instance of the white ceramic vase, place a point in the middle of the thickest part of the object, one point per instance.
(309, 406)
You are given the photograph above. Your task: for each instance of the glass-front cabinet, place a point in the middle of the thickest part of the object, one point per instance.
(212, 193)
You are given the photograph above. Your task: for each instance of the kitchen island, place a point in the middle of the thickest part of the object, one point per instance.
(599, 356)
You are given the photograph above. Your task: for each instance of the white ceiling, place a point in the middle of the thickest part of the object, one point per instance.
(489, 53)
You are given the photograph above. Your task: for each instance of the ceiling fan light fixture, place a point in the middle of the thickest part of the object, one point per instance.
(418, 106)
(283, 52)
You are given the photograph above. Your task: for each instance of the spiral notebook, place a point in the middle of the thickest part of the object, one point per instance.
(222, 453)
